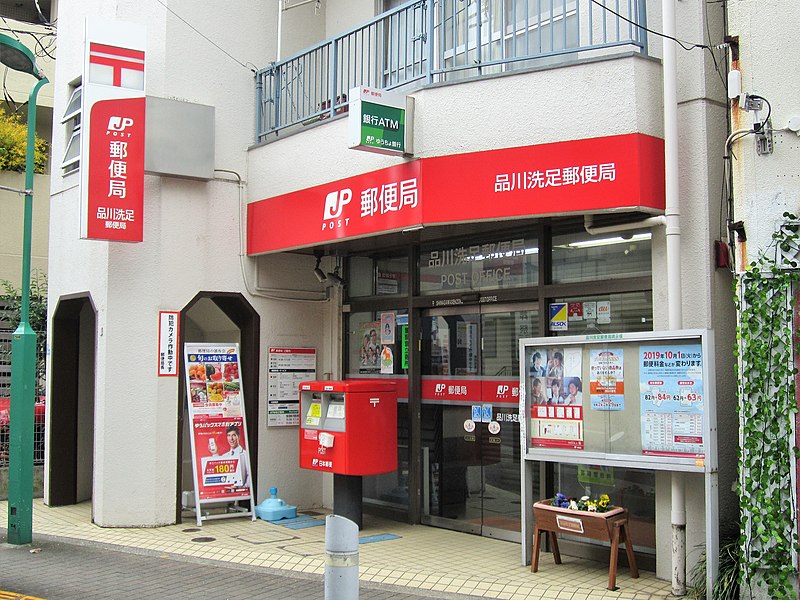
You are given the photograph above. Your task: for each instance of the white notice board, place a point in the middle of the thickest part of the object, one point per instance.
(288, 367)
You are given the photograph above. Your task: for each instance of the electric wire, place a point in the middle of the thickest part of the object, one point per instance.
(208, 39)
(769, 110)
(41, 15)
(688, 46)
(685, 45)
(711, 52)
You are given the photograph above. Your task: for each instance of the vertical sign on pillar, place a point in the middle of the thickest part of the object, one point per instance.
(112, 131)
(168, 334)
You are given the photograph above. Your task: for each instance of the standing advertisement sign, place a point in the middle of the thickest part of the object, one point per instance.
(112, 131)
(220, 458)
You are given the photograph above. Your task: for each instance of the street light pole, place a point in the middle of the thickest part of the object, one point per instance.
(23, 341)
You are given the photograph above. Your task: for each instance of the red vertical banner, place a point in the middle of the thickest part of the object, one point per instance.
(116, 170)
(112, 130)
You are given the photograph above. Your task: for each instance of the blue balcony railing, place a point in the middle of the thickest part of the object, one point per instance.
(428, 41)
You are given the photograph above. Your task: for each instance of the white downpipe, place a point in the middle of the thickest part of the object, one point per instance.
(588, 225)
(674, 290)
(280, 30)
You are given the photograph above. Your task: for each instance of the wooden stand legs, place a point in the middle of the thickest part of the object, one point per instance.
(553, 543)
(616, 532)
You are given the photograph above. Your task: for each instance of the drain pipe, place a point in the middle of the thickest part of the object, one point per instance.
(588, 225)
(674, 290)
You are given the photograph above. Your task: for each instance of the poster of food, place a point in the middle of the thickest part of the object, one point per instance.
(606, 380)
(672, 400)
(220, 459)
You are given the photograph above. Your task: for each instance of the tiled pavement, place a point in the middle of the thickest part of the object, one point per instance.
(420, 560)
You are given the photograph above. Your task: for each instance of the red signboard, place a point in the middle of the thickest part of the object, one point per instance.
(113, 131)
(116, 170)
(592, 175)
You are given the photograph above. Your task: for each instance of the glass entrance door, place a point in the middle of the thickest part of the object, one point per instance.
(470, 407)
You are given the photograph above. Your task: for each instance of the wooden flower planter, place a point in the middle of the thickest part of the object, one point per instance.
(610, 526)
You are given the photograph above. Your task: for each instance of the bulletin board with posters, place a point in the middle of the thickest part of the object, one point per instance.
(220, 448)
(639, 400)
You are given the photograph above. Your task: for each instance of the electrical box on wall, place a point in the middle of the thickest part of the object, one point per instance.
(179, 139)
(348, 427)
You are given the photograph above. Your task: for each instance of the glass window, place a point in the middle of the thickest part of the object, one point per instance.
(634, 489)
(360, 276)
(607, 313)
(373, 350)
(378, 276)
(501, 264)
(583, 257)
(378, 343)
(72, 121)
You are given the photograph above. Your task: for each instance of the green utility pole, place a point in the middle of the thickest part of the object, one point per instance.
(23, 342)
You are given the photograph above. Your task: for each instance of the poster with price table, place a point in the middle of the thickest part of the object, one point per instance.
(672, 400)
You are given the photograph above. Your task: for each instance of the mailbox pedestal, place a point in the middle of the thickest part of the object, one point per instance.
(348, 428)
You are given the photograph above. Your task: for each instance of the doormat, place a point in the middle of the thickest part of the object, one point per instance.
(306, 524)
(381, 537)
(292, 520)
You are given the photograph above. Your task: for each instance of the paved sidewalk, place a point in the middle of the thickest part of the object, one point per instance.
(417, 560)
(58, 570)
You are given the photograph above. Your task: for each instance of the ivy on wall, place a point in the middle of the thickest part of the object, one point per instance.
(767, 408)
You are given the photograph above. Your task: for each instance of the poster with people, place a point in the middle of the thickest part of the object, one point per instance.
(556, 392)
(220, 459)
(370, 350)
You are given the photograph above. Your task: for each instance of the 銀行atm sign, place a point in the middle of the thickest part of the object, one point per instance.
(380, 121)
(113, 130)
(623, 172)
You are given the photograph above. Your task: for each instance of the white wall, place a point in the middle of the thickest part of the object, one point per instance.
(191, 244)
(766, 186)
(706, 292)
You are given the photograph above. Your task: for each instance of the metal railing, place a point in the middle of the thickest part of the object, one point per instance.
(5, 394)
(428, 41)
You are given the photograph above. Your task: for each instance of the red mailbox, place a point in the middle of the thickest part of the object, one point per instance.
(348, 427)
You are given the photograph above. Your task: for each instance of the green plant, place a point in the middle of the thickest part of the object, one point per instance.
(767, 407)
(726, 585)
(601, 504)
(14, 144)
(11, 304)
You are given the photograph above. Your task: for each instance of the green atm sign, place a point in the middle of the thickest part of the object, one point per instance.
(380, 121)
